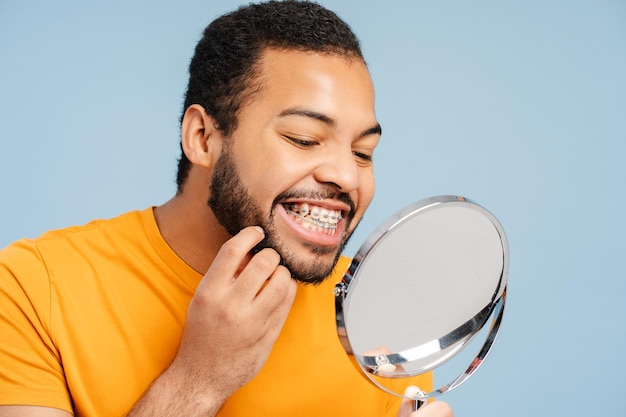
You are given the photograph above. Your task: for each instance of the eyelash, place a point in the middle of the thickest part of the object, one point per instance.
(365, 157)
(301, 142)
(309, 143)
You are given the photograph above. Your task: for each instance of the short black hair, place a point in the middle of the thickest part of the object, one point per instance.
(222, 71)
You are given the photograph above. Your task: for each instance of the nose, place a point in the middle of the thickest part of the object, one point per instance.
(338, 168)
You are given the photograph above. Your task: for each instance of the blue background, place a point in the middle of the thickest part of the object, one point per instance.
(518, 105)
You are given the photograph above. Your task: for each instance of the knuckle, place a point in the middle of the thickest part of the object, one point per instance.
(202, 299)
(267, 259)
(283, 287)
(233, 248)
(284, 273)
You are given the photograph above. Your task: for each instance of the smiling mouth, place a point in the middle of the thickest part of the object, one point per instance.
(314, 217)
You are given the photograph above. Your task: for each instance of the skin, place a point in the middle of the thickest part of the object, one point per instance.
(310, 133)
(311, 144)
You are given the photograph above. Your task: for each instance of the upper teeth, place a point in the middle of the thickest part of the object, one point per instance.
(316, 215)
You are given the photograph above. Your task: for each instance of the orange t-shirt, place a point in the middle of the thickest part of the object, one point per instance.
(91, 315)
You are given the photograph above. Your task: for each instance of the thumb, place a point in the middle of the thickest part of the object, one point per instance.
(433, 409)
(408, 406)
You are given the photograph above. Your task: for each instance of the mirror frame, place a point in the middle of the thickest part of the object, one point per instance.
(460, 336)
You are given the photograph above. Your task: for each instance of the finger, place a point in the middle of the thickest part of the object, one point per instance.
(434, 409)
(275, 301)
(276, 292)
(233, 254)
(408, 405)
(256, 273)
(406, 408)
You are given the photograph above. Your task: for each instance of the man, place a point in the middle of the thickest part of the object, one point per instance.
(216, 302)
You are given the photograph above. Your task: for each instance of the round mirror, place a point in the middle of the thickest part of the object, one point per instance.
(420, 290)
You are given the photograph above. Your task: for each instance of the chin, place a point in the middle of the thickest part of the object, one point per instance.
(315, 269)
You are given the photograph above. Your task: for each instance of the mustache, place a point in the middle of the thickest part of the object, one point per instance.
(317, 195)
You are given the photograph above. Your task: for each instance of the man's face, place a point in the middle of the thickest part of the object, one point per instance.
(299, 162)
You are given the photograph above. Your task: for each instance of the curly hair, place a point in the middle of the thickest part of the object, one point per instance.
(222, 72)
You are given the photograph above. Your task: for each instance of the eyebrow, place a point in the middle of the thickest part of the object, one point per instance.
(374, 130)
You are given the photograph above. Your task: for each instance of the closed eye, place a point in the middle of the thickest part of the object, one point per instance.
(363, 156)
(303, 143)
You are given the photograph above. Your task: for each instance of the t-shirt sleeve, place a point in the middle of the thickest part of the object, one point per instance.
(31, 371)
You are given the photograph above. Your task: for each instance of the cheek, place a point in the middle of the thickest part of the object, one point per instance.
(278, 175)
(369, 182)
(268, 175)
(366, 193)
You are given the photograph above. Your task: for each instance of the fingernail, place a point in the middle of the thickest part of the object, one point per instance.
(260, 229)
(413, 392)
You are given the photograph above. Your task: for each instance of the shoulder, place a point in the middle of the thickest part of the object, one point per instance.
(124, 223)
(32, 259)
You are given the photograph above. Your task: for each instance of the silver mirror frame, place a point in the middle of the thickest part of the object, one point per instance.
(454, 341)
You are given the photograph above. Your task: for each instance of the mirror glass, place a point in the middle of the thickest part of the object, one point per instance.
(428, 284)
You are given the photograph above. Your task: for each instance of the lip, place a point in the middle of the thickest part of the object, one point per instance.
(307, 235)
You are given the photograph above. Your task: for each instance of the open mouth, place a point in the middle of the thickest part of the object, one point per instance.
(314, 217)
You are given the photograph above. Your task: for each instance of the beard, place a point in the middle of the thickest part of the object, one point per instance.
(235, 209)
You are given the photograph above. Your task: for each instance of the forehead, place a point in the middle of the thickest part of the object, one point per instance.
(284, 66)
(335, 85)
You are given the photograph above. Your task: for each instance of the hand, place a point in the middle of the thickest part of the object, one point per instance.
(433, 409)
(234, 318)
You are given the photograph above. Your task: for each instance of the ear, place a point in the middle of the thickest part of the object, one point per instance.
(200, 138)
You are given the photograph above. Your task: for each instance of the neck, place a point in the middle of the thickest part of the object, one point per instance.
(189, 227)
